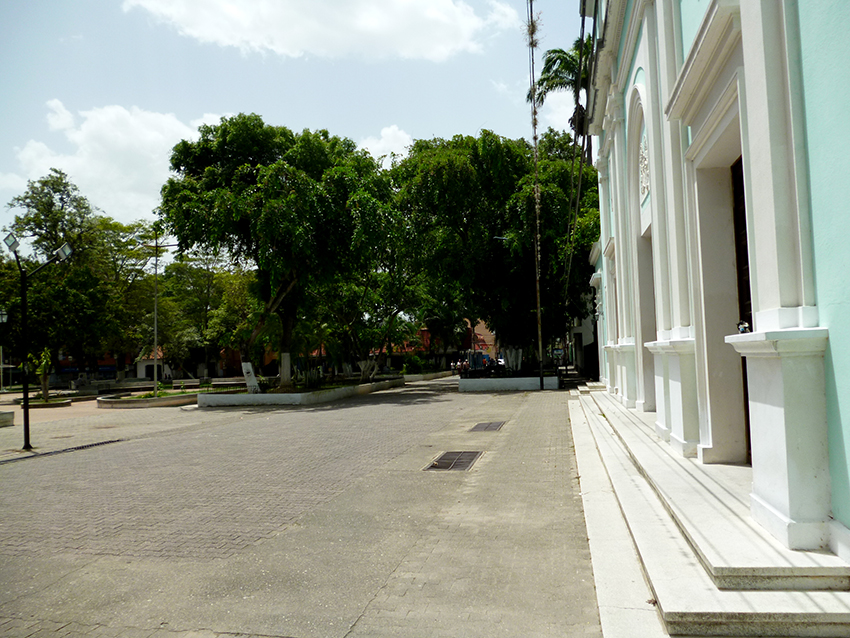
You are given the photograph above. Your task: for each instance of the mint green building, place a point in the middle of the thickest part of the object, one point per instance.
(723, 272)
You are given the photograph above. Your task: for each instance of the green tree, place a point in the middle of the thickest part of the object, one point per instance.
(568, 70)
(258, 192)
(54, 213)
(470, 202)
(90, 304)
(455, 194)
(191, 281)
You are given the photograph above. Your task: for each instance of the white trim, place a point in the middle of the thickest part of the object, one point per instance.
(718, 36)
(801, 341)
(595, 252)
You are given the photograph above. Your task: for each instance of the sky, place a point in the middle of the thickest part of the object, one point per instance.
(103, 89)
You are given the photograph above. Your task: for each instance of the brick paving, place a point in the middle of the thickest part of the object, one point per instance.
(298, 522)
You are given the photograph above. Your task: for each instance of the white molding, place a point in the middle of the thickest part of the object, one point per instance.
(724, 110)
(718, 36)
(659, 347)
(609, 249)
(596, 280)
(595, 252)
(839, 540)
(784, 318)
(795, 342)
(634, 30)
(803, 535)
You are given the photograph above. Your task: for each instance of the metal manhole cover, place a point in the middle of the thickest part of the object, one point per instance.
(454, 461)
(490, 426)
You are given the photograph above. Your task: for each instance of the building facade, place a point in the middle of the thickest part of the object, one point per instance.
(721, 283)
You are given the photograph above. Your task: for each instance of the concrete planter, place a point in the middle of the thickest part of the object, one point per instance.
(301, 398)
(55, 403)
(507, 384)
(158, 402)
(7, 419)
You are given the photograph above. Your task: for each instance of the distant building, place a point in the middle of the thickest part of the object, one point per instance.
(724, 175)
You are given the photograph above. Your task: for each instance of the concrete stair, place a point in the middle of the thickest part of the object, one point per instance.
(711, 570)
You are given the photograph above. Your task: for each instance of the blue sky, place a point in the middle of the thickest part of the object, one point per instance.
(103, 89)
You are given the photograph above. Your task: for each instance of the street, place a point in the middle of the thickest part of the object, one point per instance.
(298, 522)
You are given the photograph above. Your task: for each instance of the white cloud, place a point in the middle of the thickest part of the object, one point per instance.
(431, 29)
(12, 182)
(500, 87)
(119, 159)
(557, 110)
(503, 16)
(59, 117)
(392, 140)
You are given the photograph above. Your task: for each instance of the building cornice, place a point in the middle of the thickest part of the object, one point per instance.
(717, 38)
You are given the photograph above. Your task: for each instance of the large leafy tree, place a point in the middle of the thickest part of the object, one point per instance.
(471, 203)
(82, 306)
(261, 193)
(454, 195)
(54, 213)
(191, 283)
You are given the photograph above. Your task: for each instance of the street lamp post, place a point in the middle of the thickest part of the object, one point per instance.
(4, 316)
(59, 255)
(156, 246)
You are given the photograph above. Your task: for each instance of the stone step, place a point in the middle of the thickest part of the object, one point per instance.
(688, 600)
(710, 505)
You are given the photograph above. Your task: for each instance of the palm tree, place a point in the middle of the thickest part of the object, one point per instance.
(561, 73)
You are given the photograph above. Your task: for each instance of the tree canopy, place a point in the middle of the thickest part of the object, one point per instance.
(301, 243)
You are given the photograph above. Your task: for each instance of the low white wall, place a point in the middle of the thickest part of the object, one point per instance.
(212, 400)
(507, 384)
(410, 378)
(152, 402)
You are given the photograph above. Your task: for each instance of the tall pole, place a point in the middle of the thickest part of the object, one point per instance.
(25, 365)
(61, 254)
(155, 312)
(532, 45)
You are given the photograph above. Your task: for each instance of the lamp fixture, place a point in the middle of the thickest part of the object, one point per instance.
(11, 242)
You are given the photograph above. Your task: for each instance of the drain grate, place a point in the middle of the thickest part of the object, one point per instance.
(460, 461)
(490, 426)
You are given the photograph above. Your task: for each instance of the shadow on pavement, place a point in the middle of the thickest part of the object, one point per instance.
(407, 395)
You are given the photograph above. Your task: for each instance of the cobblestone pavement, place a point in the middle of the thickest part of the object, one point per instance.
(297, 522)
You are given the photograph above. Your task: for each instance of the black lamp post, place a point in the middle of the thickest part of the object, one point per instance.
(59, 255)
(4, 316)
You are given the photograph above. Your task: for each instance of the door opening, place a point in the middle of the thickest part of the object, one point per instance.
(745, 303)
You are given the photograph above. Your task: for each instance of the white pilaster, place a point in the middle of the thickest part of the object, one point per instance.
(791, 485)
(660, 353)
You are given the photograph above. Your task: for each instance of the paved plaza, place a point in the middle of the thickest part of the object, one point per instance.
(297, 521)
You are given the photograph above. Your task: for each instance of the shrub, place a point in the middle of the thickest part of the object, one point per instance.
(413, 365)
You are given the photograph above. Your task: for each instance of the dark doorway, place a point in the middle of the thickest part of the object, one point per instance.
(742, 259)
(149, 371)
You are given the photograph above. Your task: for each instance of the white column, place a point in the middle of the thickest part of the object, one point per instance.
(779, 217)
(672, 134)
(661, 354)
(657, 176)
(785, 366)
(684, 416)
(791, 486)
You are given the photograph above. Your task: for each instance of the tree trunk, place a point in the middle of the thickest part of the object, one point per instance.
(285, 369)
(287, 312)
(45, 387)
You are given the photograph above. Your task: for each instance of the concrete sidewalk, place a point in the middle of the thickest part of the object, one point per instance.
(376, 546)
